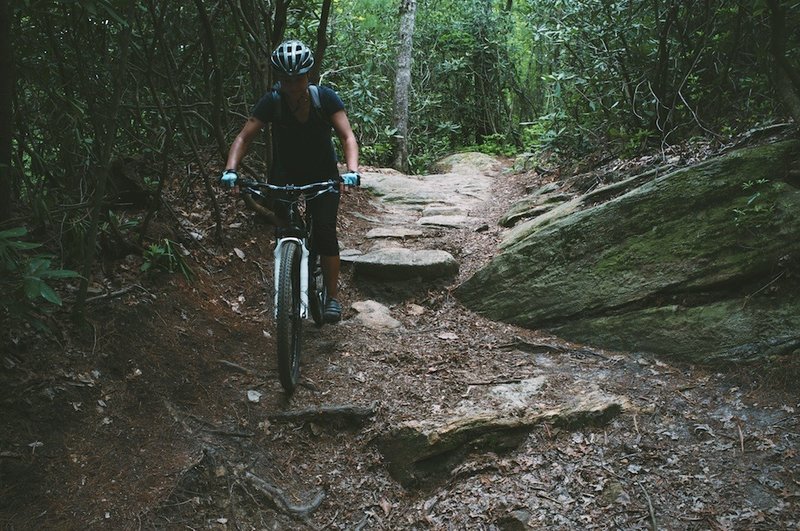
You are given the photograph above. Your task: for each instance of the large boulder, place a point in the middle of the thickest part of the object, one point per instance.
(699, 263)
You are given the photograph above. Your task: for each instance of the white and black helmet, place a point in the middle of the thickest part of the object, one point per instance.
(292, 58)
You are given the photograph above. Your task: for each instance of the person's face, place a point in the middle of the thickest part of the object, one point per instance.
(293, 85)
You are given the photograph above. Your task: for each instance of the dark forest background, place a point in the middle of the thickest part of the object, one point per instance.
(105, 104)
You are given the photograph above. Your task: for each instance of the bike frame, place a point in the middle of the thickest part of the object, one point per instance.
(296, 226)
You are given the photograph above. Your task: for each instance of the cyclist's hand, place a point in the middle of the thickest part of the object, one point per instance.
(351, 178)
(228, 178)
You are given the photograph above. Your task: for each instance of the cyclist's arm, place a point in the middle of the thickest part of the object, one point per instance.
(242, 142)
(349, 144)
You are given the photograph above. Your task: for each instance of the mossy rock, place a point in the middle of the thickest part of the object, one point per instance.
(719, 241)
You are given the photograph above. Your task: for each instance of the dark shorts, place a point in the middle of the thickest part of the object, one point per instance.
(324, 211)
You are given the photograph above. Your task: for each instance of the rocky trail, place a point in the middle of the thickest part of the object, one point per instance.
(412, 413)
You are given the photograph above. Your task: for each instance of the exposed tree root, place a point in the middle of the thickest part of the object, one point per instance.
(277, 496)
(336, 415)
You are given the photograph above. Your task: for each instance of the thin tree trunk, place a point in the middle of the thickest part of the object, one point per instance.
(106, 135)
(322, 41)
(247, 25)
(619, 57)
(279, 24)
(255, 23)
(218, 107)
(786, 78)
(166, 147)
(402, 84)
(6, 94)
(184, 127)
(663, 64)
(68, 178)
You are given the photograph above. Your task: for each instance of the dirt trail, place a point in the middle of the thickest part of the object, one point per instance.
(168, 414)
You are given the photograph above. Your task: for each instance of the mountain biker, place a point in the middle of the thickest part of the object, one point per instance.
(303, 151)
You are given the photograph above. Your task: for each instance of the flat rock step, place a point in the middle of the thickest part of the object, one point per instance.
(450, 221)
(495, 418)
(397, 263)
(394, 232)
(443, 210)
(458, 191)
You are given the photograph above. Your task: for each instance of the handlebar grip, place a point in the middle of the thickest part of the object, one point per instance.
(351, 179)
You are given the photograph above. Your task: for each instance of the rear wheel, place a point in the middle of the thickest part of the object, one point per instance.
(288, 320)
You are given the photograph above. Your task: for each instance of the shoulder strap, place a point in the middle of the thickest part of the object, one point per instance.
(316, 102)
(275, 102)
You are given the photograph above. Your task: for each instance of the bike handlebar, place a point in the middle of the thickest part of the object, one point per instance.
(255, 184)
(309, 191)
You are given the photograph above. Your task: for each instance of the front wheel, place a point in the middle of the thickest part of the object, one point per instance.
(288, 319)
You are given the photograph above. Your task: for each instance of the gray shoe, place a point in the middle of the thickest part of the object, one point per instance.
(333, 311)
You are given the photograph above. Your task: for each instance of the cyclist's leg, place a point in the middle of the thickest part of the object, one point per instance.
(330, 272)
(324, 214)
(332, 312)
(325, 209)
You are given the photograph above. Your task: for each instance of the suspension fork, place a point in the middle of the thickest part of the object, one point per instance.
(303, 273)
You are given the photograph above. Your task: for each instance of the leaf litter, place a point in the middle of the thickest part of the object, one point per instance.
(697, 449)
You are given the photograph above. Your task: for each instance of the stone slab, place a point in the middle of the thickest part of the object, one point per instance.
(394, 232)
(451, 222)
(397, 263)
(424, 450)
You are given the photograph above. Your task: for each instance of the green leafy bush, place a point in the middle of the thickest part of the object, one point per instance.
(24, 289)
(545, 134)
(495, 144)
(165, 256)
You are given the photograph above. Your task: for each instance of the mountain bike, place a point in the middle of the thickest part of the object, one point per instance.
(299, 287)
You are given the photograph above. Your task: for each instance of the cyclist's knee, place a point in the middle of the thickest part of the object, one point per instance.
(327, 247)
(325, 241)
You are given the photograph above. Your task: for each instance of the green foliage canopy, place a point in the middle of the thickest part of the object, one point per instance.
(564, 76)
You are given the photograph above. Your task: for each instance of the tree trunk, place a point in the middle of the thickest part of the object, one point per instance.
(106, 134)
(786, 77)
(254, 23)
(6, 90)
(322, 41)
(660, 85)
(402, 84)
(186, 129)
(279, 23)
(215, 81)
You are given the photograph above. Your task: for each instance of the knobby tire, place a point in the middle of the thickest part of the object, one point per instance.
(288, 320)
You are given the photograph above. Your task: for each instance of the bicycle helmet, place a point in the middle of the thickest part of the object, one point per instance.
(292, 58)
